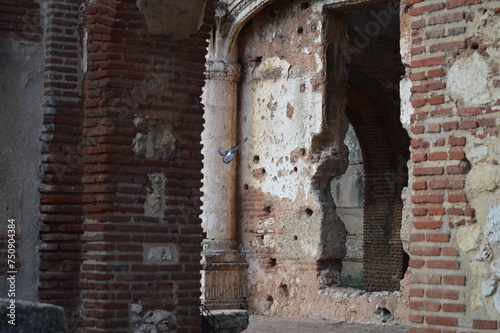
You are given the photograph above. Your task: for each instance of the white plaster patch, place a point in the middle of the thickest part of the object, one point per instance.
(488, 287)
(164, 254)
(467, 79)
(319, 63)
(492, 230)
(495, 269)
(477, 154)
(406, 107)
(496, 300)
(273, 136)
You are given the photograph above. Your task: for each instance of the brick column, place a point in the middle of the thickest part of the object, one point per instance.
(223, 265)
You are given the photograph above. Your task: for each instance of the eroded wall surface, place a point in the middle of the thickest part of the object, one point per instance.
(292, 236)
(452, 78)
(21, 92)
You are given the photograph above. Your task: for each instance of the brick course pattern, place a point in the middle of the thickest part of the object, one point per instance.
(101, 65)
(441, 31)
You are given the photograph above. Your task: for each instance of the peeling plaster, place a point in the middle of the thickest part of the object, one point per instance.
(464, 71)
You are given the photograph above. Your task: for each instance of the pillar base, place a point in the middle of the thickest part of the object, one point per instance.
(223, 275)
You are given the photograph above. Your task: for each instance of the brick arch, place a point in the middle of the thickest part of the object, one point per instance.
(384, 145)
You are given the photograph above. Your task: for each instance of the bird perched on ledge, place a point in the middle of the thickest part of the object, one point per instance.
(228, 155)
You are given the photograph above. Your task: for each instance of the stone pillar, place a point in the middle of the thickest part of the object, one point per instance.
(223, 264)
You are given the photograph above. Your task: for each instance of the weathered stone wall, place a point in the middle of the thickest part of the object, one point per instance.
(452, 80)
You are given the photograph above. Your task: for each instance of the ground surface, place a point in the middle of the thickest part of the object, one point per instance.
(265, 324)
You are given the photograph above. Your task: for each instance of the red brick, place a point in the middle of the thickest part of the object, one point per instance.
(450, 4)
(419, 157)
(457, 198)
(419, 186)
(488, 122)
(422, 330)
(430, 225)
(425, 251)
(470, 111)
(443, 264)
(447, 46)
(436, 211)
(484, 324)
(429, 198)
(435, 34)
(437, 156)
(427, 171)
(449, 251)
(417, 237)
(435, 73)
(416, 292)
(444, 321)
(427, 62)
(416, 263)
(457, 141)
(415, 11)
(449, 126)
(449, 18)
(434, 128)
(436, 99)
(424, 306)
(452, 307)
(414, 318)
(468, 124)
(438, 238)
(425, 279)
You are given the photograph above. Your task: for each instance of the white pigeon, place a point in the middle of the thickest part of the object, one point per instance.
(228, 155)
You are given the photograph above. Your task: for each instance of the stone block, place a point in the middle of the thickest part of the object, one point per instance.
(29, 317)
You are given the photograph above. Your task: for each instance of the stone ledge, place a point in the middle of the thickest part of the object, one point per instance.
(31, 317)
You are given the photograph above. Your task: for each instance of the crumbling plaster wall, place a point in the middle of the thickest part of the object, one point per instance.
(451, 112)
(283, 183)
(21, 93)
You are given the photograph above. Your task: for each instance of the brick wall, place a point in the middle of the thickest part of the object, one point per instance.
(107, 79)
(444, 125)
(140, 85)
(20, 20)
(61, 188)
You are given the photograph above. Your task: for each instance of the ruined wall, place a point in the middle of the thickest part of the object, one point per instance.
(452, 114)
(101, 161)
(291, 108)
(21, 92)
(142, 162)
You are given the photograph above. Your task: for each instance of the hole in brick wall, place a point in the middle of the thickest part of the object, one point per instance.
(295, 237)
(256, 159)
(263, 171)
(272, 262)
(304, 5)
(300, 30)
(385, 314)
(270, 300)
(267, 209)
(245, 187)
(371, 186)
(284, 290)
(309, 211)
(295, 169)
(258, 60)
